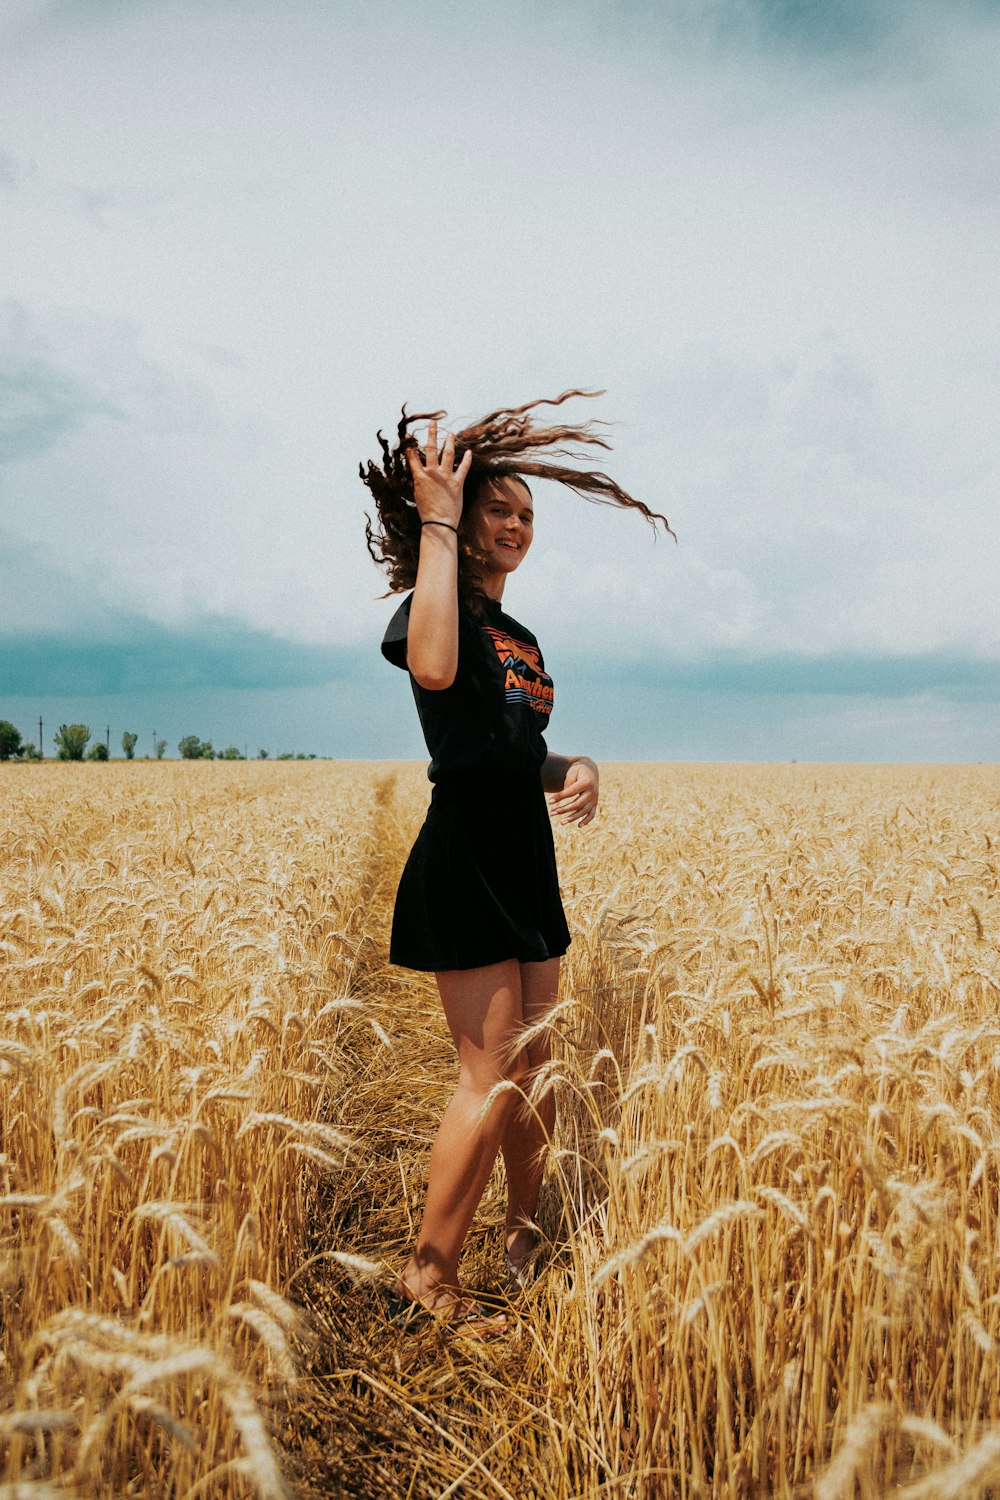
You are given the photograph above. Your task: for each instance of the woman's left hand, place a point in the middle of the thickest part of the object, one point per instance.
(577, 801)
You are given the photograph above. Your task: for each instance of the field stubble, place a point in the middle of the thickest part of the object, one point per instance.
(772, 1213)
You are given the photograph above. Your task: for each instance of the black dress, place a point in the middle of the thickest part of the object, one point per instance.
(480, 884)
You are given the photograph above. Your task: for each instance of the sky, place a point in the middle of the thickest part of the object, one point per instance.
(237, 235)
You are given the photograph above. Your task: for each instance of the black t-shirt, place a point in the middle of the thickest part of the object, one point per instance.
(494, 714)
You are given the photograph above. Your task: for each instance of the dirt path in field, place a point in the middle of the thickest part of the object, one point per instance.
(352, 1432)
(367, 929)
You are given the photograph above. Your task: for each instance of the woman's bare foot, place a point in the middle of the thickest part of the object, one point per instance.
(456, 1310)
(520, 1246)
(520, 1243)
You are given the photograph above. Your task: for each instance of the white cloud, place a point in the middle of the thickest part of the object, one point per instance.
(242, 236)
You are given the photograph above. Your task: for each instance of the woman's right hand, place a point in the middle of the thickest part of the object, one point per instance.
(432, 636)
(437, 483)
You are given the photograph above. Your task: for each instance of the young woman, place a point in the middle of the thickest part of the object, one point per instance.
(478, 902)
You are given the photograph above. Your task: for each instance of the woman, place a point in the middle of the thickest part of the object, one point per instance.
(478, 902)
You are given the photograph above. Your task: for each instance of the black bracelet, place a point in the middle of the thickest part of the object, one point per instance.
(441, 523)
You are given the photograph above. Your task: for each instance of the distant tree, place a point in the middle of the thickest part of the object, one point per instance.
(262, 754)
(129, 742)
(285, 755)
(71, 741)
(230, 753)
(192, 748)
(29, 751)
(98, 752)
(160, 746)
(10, 740)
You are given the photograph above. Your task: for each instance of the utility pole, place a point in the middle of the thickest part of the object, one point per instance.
(41, 747)
(108, 740)
(154, 744)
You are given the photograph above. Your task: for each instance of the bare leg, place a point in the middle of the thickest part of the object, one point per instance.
(527, 1132)
(483, 1010)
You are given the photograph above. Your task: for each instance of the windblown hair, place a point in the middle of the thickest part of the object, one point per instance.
(505, 445)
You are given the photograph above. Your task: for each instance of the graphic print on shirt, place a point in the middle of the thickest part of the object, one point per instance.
(525, 679)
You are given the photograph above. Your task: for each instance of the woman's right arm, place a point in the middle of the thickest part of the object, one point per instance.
(432, 636)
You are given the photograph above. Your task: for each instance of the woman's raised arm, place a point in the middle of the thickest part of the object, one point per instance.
(432, 636)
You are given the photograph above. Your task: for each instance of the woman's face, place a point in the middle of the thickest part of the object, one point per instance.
(500, 523)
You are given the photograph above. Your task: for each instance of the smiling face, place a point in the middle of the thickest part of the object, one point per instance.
(500, 524)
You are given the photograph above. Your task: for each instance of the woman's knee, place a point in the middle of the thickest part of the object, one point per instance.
(483, 1073)
(518, 1068)
(538, 1052)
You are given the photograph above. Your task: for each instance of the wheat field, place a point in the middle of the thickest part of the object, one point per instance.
(771, 1215)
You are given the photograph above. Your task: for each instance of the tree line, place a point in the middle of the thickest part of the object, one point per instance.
(71, 741)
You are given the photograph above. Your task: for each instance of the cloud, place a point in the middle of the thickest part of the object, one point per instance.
(37, 597)
(12, 174)
(820, 513)
(61, 635)
(150, 659)
(824, 29)
(827, 26)
(39, 402)
(128, 654)
(159, 488)
(849, 38)
(765, 227)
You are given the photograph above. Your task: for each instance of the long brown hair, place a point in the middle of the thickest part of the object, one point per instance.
(506, 444)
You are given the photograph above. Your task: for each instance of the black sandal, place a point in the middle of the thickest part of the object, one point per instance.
(406, 1313)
